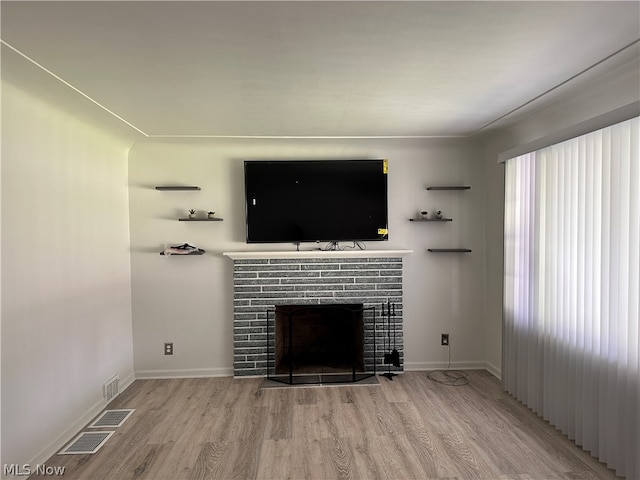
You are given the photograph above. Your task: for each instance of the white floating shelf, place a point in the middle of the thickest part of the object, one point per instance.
(317, 254)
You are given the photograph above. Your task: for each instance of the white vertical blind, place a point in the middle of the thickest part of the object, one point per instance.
(571, 289)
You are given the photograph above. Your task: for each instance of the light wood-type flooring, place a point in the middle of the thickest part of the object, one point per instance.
(410, 427)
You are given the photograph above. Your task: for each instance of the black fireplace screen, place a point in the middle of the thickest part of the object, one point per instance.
(328, 343)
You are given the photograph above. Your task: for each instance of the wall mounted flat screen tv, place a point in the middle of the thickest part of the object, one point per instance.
(315, 200)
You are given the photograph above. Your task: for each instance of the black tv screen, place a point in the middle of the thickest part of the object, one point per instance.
(315, 200)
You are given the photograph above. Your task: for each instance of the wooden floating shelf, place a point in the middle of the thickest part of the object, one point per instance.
(449, 250)
(431, 219)
(450, 187)
(200, 219)
(176, 187)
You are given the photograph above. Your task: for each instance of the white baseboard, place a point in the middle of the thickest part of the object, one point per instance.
(126, 383)
(186, 373)
(67, 435)
(425, 366)
(72, 430)
(228, 372)
(495, 371)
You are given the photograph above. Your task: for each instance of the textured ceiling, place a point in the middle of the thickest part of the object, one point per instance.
(317, 68)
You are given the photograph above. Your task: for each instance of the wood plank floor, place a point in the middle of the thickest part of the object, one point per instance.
(411, 427)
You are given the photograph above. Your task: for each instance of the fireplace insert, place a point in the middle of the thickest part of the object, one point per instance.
(325, 343)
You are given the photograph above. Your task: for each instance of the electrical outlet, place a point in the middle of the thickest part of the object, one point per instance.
(444, 339)
(168, 348)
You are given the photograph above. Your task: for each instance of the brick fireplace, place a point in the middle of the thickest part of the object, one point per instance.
(264, 280)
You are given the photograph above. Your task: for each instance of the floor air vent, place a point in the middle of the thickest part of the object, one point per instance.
(112, 418)
(86, 443)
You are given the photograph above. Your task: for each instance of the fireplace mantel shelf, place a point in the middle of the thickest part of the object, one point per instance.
(316, 254)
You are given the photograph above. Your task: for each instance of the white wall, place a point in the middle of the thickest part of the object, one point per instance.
(66, 309)
(188, 301)
(66, 288)
(613, 89)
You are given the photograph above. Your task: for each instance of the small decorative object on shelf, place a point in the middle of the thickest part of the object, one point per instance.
(192, 213)
(211, 214)
(436, 217)
(182, 249)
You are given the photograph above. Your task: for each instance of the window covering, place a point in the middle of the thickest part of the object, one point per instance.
(571, 289)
